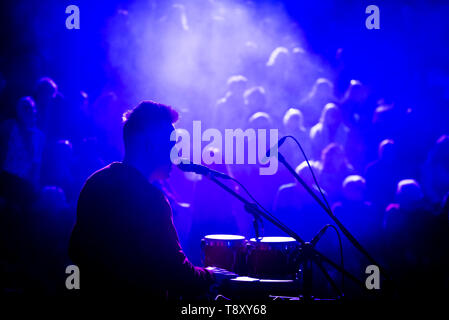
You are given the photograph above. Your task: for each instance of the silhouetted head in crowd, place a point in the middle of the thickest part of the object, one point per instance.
(232, 105)
(387, 151)
(255, 99)
(279, 58)
(356, 92)
(304, 172)
(237, 85)
(409, 195)
(383, 114)
(331, 116)
(323, 89)
(333, 158)
(354, 188)
(260, 120)
(441, 150)
(146, 136)
(293, 120)
(46, 90)
(312, 105)
(81, 101)
(26, 112)
(59, 100)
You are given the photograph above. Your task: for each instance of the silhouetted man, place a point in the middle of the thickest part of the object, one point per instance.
(124, 240)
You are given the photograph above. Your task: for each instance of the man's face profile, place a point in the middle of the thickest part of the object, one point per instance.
(160, 152)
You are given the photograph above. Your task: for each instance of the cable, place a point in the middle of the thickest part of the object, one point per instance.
(341, 254)
(326, 202)
(313, 174)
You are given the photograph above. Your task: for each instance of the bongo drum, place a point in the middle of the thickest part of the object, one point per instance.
(272, 258)
(225, 251)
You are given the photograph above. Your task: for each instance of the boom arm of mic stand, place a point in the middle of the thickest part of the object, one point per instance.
(350, 237)
(254, 209)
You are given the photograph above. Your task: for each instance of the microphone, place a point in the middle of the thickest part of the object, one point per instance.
(186, 166)
(274, 147)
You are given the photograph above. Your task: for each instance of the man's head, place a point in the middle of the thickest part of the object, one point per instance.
(304, 172)
(237, 85)
(255, 99)
(26, 112)
(409, 195)
(46, 90)
(146, 135)
(293, 120)
(354, 188)
(387, 150)
(331, 115)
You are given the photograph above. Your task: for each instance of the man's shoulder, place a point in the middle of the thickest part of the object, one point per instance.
(121, 178)
(116, 188)
(104, 173)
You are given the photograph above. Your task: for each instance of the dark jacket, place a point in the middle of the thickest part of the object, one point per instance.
(124, 241)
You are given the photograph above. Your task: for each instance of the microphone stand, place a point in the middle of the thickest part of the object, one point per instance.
(350, 237)
(308, 253)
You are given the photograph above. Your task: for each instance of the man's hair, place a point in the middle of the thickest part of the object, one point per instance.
(146, 119)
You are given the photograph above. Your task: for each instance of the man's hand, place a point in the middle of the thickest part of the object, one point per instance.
(221, 276)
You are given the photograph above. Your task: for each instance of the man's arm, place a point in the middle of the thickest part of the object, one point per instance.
(181, 275)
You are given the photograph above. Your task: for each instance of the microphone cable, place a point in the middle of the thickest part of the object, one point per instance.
(311, 170)
(325, 201)
(323, 229)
